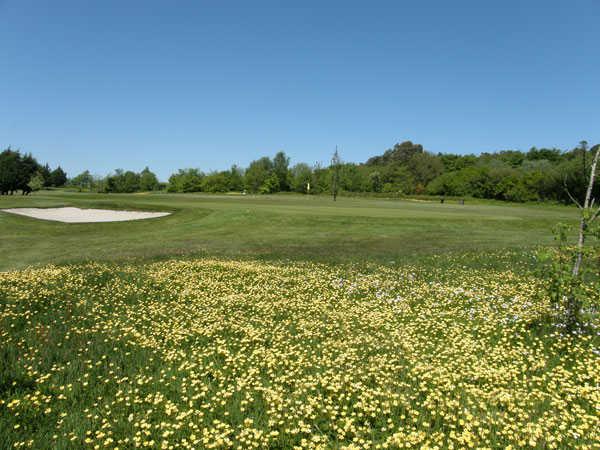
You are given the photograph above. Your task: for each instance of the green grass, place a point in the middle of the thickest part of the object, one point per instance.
(290, 227)
(287, 322)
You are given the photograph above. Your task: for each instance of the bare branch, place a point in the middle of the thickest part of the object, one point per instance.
(573, 199)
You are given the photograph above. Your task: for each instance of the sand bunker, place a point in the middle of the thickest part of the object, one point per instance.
(77, 215)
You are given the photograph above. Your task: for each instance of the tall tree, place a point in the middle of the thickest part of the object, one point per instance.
(45, 172)
(375, 182)
(10, 161)
(336, 163)
(236, 179)
(148, 180)
(16, 171)
(186, 180)
(258, 173)
(28, 167)
(84, 180)
(58, 177)
(216, 182)
(301, 177)
(281, 164)
(424, 167)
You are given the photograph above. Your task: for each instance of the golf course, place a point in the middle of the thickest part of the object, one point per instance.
(316, 225)
(287, 321)
(275, 227)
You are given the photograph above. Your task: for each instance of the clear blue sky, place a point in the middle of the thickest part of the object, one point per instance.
(175, 84)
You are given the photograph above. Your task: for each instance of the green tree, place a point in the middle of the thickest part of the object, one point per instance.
(58, 177)
(16, 171)
(375, 181)
(449, 183)
(37, 182)
(186, 180)
(353, 178)
(216, 182)
(513, 158)
(257, 173)
(270, 185)
(83, 181)
(10, 162)
(281, 164)
(321, 179)
(46, 174)
(541, 178)
(235, 179)
(424, 167)
(453, 163)
(575, 174)
(548, 154)
(130, 182)
(400, 153)
(148, 180)
(398, 179)
(122, 182)
(301, 177)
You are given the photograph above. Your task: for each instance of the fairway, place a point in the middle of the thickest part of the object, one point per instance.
(290, 227)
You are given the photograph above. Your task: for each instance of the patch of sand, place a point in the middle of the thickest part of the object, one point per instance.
(78, 215)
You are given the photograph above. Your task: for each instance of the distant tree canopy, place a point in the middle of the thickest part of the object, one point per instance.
(405, 169)
(83, 181)
(194, 180)
(148, 180)
(399, 154)
(22, 172)
(122, 181)
(517, 176)
(539, 174)
(58, 177)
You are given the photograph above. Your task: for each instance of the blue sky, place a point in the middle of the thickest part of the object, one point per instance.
(175, 84)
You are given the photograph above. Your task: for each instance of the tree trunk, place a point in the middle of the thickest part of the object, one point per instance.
(580, 242)
(584, 218)
(573, 303)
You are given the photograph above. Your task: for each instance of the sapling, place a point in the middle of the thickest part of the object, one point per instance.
(569, 285)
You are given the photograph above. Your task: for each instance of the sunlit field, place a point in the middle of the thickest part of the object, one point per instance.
(213, 353)
(287, 322)
(272, 227)
(333, 225)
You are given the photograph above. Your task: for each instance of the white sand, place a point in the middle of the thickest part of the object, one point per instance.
(77, 215)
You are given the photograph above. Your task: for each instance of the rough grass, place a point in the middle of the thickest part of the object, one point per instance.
(221, 354)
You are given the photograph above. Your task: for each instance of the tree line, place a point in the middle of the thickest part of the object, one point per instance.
(121, 181)
(22, 172)
(540, 174)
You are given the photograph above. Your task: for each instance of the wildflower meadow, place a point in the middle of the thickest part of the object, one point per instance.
(215, 353)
